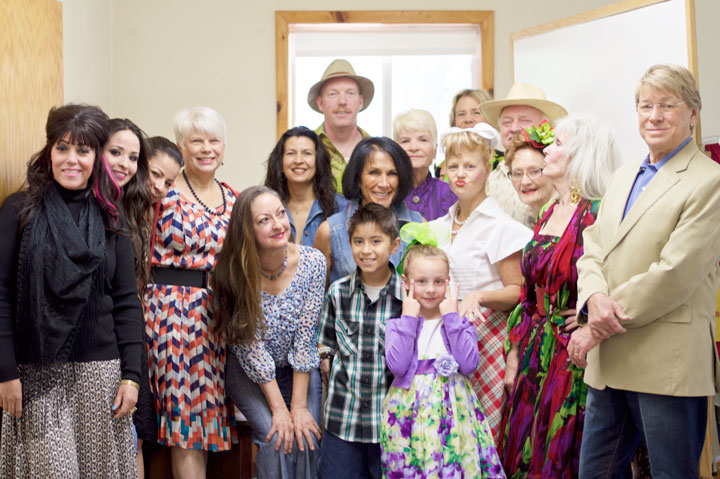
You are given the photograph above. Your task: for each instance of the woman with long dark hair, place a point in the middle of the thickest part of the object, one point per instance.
(69, 311)
(268, 313)
(299, 169)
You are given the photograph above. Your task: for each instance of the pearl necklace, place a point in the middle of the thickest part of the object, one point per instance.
(273, 277)
(457, 222)
(222, 192)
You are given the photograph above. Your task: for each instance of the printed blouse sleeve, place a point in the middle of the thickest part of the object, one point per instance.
(508, 237)
(303, 356)
(256, 361)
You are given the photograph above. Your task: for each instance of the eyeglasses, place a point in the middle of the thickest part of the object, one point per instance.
(646, 109)
(532, 173)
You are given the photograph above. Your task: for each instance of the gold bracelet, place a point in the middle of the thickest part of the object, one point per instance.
(131, 383)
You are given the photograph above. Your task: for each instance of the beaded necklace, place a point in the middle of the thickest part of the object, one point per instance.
(273, 277)
(209, 210)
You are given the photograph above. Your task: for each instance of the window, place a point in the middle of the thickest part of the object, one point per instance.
(416, 59)
(410, 66)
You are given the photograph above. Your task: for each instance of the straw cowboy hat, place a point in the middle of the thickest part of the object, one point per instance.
(338, 69)
(522, 94)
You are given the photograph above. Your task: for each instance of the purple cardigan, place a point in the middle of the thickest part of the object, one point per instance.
(401, 350)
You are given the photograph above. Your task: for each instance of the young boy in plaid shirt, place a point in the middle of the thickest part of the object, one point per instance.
(352, 324)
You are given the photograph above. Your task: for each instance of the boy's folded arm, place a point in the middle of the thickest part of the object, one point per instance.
(462, 337)
(400, 343)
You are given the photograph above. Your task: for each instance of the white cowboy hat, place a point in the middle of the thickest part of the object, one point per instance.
(522, 94)
(338, 69)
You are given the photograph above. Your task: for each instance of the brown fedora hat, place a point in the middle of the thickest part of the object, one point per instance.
(522, 94)
(338, 69)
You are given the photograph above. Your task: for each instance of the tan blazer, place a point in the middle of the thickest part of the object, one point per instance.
(661, 264)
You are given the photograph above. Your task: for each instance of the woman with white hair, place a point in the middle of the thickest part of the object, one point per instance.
(544, 419)
(187, 359)
(416, 132)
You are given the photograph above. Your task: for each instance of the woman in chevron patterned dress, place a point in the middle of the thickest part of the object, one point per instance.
(187, 360)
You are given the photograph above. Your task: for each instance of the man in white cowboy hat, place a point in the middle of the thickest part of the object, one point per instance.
(340, 95)
(524, 106)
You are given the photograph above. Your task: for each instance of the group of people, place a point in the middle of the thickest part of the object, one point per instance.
(500, 318)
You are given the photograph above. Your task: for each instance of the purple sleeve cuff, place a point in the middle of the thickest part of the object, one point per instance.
(400, 343)
(462, 341)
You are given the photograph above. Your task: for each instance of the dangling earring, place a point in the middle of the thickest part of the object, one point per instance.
(575, 194)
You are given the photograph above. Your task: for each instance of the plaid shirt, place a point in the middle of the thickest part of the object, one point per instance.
(355, 328)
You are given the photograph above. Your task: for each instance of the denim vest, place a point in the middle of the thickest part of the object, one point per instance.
(314, 220)
(342, 260)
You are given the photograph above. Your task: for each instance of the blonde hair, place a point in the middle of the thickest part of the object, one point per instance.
(423, 251)
(419, 120)
(481, 96)
(455, 143)
(672, 79)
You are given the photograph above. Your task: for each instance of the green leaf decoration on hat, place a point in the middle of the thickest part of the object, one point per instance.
(541, 135)
(433, 234)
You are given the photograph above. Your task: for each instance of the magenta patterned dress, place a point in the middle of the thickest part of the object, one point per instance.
(186, 360)
(543, 422)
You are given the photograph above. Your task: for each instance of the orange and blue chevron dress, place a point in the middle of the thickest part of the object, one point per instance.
(186, 360)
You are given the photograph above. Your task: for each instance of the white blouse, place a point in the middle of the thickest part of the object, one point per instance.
(487, 236)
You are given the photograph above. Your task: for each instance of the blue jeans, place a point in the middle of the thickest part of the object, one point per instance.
(249, 398)
(348, 460)
(673, 429)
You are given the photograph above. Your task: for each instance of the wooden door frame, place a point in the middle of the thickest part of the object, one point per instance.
(285, 19)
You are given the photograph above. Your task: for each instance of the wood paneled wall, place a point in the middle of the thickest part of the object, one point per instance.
(31, 81)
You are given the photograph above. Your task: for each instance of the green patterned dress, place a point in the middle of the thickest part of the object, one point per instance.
(436, 430)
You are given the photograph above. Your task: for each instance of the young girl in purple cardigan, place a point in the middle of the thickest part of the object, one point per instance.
(432, 424)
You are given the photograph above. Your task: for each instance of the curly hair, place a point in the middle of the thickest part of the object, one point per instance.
(323, 181)
(85, 125)
(137, 204)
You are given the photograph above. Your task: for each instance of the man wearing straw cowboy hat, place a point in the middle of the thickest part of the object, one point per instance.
(524, 106)
(340, 95)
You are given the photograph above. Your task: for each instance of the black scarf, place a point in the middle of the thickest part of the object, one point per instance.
(61, 266)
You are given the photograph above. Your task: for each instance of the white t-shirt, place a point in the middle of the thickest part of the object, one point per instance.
(487, 236)
(373, 292)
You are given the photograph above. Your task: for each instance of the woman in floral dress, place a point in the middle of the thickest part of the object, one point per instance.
(544, 419)
(187, 360)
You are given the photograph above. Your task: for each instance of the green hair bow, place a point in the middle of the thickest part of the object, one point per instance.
(433, 234)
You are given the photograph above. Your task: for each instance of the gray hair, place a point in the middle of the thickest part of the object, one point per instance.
(592, 153)
(201, 119)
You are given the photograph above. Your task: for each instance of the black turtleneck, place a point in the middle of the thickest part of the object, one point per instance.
(117, 333)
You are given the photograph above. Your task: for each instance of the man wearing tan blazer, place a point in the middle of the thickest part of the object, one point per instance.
(648, 281)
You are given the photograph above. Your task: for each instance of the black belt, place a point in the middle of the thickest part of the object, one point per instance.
(193, 278)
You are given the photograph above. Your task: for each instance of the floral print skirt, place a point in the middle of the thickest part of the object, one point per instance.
(436, 429)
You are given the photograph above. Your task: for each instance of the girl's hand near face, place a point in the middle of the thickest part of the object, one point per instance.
(410, 306)
(450, 303)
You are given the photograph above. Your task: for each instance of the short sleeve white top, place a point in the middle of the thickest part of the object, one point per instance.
(488, 236)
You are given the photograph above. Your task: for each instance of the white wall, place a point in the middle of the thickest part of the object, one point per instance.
(87, 48)
(147, 59)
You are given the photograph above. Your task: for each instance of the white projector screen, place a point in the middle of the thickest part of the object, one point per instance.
(591, 63)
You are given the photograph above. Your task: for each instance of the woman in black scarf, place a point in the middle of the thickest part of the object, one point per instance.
(69, 312)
